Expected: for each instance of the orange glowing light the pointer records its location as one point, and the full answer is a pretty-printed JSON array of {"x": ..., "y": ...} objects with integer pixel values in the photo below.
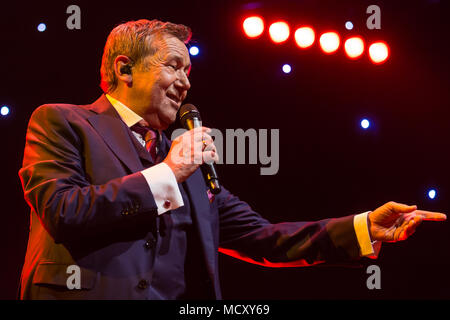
[
  {"x": 253, "y": 26},
  {"x": 279, "y": 31},
  {"x": 354, "y": 47},
  {"x": 304, "y": 37},
  {"x": 378, "y": 52},
  {"x": 329, "y": 42}
]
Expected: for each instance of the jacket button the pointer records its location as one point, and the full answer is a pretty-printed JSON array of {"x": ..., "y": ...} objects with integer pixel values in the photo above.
[
  {"x": 143, "y": 284},
  {"x": 150, "y": 244}
]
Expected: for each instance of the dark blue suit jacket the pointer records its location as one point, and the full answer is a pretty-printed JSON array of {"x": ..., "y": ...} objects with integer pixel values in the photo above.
[{"x": 91, "y": 207}]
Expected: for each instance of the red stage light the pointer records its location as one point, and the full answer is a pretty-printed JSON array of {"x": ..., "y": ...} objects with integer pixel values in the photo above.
[
  {"x": 378, "y": 52},
  {"x": 329, "y": 42},
  {"x": 304, "y": 37},
  {"x": 279, "y": 31},
  {"x": 253, "y": 26},
  {"x": 354, "y": 47}
]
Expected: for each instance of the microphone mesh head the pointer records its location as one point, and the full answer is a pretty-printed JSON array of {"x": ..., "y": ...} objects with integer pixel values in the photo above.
[{"x": 188, "y": 111}]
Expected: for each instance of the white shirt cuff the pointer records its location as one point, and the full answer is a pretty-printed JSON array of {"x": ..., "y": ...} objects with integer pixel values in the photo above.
[
  {"x": 164, "y": 187},
  {"x": 367, "y": 247}
]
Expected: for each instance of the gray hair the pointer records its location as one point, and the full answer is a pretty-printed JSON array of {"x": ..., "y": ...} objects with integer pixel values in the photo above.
[{"x": 130, "y": 39}]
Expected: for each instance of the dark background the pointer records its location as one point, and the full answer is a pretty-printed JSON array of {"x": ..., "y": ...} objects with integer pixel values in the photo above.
[{"x": 329, "y": 167}]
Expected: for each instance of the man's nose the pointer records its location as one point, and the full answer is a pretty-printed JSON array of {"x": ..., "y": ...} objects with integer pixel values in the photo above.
[{"x": 183, "y": 81}]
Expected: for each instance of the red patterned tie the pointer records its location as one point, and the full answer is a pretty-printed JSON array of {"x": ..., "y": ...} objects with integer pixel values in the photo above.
[{"x": 150, "y": 137}]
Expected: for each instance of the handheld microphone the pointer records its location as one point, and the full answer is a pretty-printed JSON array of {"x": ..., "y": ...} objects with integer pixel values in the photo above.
[{"x": 190, "y": 119}]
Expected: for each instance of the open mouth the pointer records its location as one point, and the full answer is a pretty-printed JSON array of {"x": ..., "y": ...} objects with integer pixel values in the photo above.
[{"x": 174, "y": 98}]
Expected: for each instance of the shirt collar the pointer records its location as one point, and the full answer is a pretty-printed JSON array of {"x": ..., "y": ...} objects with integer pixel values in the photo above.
[{"x": 128, "y": 116}]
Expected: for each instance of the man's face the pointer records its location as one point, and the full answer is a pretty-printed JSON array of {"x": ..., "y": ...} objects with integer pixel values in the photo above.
[{"x": 161, "y": 84}]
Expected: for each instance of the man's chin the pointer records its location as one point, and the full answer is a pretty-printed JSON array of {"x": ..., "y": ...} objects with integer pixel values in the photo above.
[{"x": 167, "y": 121}]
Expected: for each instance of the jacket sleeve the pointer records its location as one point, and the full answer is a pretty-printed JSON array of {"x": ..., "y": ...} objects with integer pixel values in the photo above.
[
  {"x": 245, "y": 235},
  {"x": 56, "y": 188}
]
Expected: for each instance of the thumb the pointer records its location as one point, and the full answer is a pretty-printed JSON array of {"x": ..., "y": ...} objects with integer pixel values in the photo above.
[{"x": 401, "y": 208}]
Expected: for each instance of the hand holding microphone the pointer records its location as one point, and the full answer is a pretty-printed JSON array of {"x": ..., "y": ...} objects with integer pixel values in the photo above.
[{"x": 192, "y": 149}]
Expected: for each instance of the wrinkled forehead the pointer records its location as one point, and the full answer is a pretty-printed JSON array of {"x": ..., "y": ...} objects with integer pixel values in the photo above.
[{"x": 168, "y": 46}]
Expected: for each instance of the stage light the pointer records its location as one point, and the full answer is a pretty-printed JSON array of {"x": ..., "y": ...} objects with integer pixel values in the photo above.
[
  {"x": 354, "y": 47},
  {"x": 329, "y": 42},
  {"x": 365, "y": 124},
  {"x": 378, "y": 52},
  {"x": 287, "y": 68},
  {"x": 432, "y": 194},
  {"x": 253, "y": 26},
  {"x": 4, "y": 111},
  {"x": 349, "y": 25},
  {"x": 41, "y": 27},
  {"x": 194, "y": 50},
  {"x": 279, "y": 31},
  {"x": 304, "y": 37}
]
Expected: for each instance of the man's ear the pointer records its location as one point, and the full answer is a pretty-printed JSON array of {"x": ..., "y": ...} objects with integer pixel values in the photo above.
[{"x": 123, "y": 68}]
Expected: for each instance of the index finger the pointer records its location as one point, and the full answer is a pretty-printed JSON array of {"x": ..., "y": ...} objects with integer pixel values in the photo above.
[
  {"x": 431, "y": 216},
  {"x": 202, "y": 129}
]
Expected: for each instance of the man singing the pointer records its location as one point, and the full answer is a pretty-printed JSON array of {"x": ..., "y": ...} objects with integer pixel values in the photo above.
[{"x": 111, "y": 195}]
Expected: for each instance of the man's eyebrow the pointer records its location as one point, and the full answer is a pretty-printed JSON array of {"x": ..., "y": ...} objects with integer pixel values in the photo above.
[
  {"x": 176, "y": 57},
  {"x": 179, "y": 58}
]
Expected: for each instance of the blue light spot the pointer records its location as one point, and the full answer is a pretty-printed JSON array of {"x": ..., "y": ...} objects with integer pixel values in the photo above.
[
  {"x": 194, "y": 51},
  {"x": 4, "y": 111},
  {"x": 41, "y": 27},
  {"x": 349, "y": 25},
  {"x": 287, "y": 68},
  {"x": 365, "y": 124},
  {"x": 432, "y": 194}
]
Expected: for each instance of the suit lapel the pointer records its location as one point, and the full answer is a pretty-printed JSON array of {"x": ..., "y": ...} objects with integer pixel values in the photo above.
[
  {"x": 115, "y": 133},
  {"x": 195, "y": 187},
  {"x": 144, "y": 155}
]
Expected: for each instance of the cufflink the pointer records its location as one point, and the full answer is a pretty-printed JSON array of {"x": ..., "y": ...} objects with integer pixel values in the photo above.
[{"x": 166, "y": 204}]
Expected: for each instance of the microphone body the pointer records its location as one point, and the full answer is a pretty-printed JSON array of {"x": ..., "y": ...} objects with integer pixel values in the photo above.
[{"x": 190, "y": 119}]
